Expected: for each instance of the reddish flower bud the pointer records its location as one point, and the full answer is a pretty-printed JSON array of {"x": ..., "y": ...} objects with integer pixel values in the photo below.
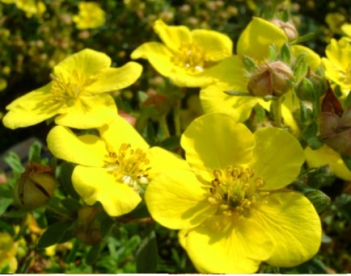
[
  {"x": 288, "y": 28},
  {"x": 271, "y": 79},
  {"x": 35, "y": 186}
]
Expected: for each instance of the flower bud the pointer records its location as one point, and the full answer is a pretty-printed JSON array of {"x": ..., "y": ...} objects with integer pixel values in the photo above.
[
  {"x": 336, "y": 131},
  {"x": 288, "y": 28},
  {"x": 87, "y": 227},
  {"x": 35, "y": 186},
  {"x": 272, "y": 79}
]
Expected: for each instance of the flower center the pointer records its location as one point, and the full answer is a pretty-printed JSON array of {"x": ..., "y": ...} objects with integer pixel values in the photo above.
[
  {"x": 190, "y": 57},
  {"x": 130, "y": 166},
  {"x": 236, "y": 190},
  {"x": 67, "y": 90}
]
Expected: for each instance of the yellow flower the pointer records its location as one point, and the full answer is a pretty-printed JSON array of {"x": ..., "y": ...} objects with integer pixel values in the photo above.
[
  {"x": 76, "y": 93},
  {"x": 346, "y": 28},
  {"x": 337, "y": 64},
  {"x": 335, "y": 21},
  {"x": 327, "y": 156},
  {"x": 90, "y": 16},
  {"x": 112, "y": 169},
  {"x": 30, "y": 7},
  {"x": 184, "y": 56},
  {"x": 231, "y": 205},
  {"x": 8, "y": 250},
  {"x": 230, "y": 74}
]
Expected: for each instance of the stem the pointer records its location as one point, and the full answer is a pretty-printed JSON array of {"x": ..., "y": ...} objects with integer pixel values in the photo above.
[
  {"x": 164, "y": 127},
  {"x": 277, "y": 112},
  {"x": 176, "y": 118}
]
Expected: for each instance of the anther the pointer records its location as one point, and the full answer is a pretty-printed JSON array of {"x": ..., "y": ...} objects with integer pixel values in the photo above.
[
  {"x": 263, "y": 194},
  {"x": 224, "y": 206},
  {"x": 212, "y": 200},
  {"x": 217, "y": 174}
]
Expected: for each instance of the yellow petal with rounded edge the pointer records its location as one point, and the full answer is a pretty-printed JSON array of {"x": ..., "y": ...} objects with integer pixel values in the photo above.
[
  {"x": 120, "y": 132},
  {"x": 162, "y": 160},
  {"x": 30, "y": 109},
  {"x": 176, "y": 199},
  {"x": 346, "y": 28},
  {"x": 312, "y": 58},
  {"x": 217, "y": 46},
  {"x": 89, "y": 150},
  {"x": 215, "y": 141},
  {"x": 278, "y": 157},
  {"x": 259, "y": 34},
  {"x": 228, "y": 245},
  {"x": 158, "y": 55},
  {"x": 89, "y": 112},
  {"x": 97, "y": 184},
  {"x": 112, "y": 79},
  {"x": 293, "y": 224},
  {"x": 87, "y": 62},
  {"x": 327, "y": 156},
  {"x": 172, "y": 36}
]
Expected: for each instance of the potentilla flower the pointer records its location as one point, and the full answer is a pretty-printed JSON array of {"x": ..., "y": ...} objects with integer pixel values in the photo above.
[
  {"x": 114, "y": 168},
  {"x": 30, "y": 7},
  {"x": 337, "y": 64},
  {"x": 76, "y": 93},
  {"x": 231, "y": 205},
  {"x": 184, "y": 56},
  {"x": 90, "y": 16},
  {"x": 230, "y": 74}
]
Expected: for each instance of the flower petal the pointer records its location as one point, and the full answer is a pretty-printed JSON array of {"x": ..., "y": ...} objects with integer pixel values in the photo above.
[
  {"x": 312, "y": 58},
  {"x": 172, "y": 36},
  {"x": 327, "y": 156},
  {"x": 91, "y": 111},
  {"x": 162, "y": 160},
  {"x": 215, "y": 141},
  {"x": 157, "y": 54},
  {"x": 120, "y": 132},
  {"x": 177, "y": 200},
  {"x": 87, "y": 62},
  {"x": 96, "y": 184},
  {"x": 278, "y": 157},
  {"x": 228, "y": 245},
  {"x": 293, "y": 224},
  {"x": 116, "y": 78},
  {"x": 30, "y": 109},
  {"x": 88, "y": 150},
  {"x": 259, "y": 34},
  {"x": 216, "y": 45}
]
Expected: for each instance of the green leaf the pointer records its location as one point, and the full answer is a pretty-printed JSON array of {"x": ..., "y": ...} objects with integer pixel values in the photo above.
[
  {"x": 302, "y": 38},
  {"x": 260, "y": 113},
  {"x": 35, "y": 152},
  {"x": 285, "y": 54},
  {"x": 71, "y": 204},
  {"x": 318, "y": 177},
  {"x": 237, "y": 93},
  {"x": 65, "y": 175},
  {"x": 93, "y": 254},
  {"x": 53, "y": 234},
  {"x": 146, "y": 260},
  {"x": 319, "y": 199},
  {"x": 347, "y": 161},
  {"x": 306, "y": 91},
  {"x": 300, "y": 68},
  {"x": 272, "y": 53},
  {"x": 249, "y": 64},
  {"x": 13, "y": 160},
  {"x": 6, "y": 191},
  {"x": 4, "y": 204}
]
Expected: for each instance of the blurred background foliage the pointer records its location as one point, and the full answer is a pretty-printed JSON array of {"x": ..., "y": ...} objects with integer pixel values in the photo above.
[{"x": 32, "y": 42}]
